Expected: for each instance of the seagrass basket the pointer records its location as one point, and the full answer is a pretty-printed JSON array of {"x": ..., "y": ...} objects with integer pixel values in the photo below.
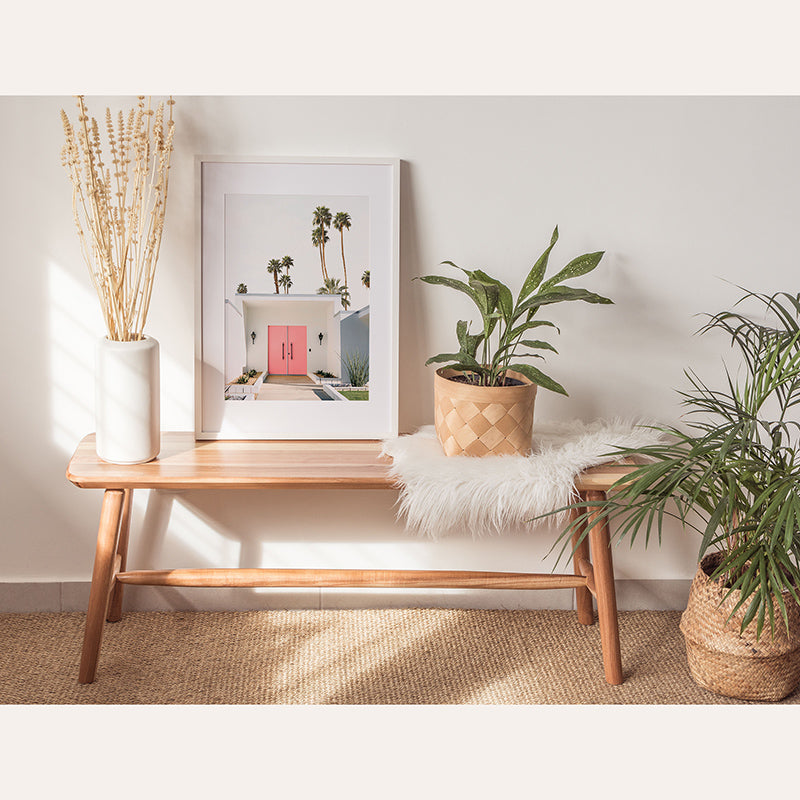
[
  {"x": 483, "y": 420},
  {"x": 734, "y": 665}
]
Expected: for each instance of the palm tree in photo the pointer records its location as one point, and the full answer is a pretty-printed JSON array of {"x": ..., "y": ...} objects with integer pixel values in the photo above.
[
  {"x": 286, "y": 282},
  {"x": 345, "y": 293},
  {"x": 321, "y": 220},
  {"x": 342, "y": 223},
  {"x": 334, "y": 286},
  {"x": 287, "y": 262},
  {"x": 365, "y": 278},
  {"x": 318, "y": 239},
  {"x": 330, "y": 286},
  {"x": 274, "y": 268}
]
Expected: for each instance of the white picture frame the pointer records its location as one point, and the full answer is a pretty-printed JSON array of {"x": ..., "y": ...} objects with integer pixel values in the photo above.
[{"x": 251, "y": 211}]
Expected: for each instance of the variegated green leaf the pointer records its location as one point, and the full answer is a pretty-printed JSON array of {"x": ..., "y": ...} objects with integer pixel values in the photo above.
[
  {"x": 577, "y": 267},
  {"x": 559, "y": 295},
  {"x": 538, "y": 270},
  {"x": 539, "y": 378}
]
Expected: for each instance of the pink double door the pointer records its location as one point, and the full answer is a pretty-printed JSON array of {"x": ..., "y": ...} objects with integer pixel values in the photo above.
[{"x": 287, "y": 350}]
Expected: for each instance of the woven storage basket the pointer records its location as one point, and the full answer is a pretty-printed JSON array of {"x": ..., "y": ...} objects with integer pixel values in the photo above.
[
  {"x": 725, "y": 662},
  {"x": 483, "y": 420}
]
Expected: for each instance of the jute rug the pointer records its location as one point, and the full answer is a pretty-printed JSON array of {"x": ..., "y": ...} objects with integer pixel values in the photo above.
[{"x": 406, "y": 656}]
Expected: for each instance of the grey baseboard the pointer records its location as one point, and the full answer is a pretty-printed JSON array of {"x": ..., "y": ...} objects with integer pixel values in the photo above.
[{"x": 26, "y": 598}]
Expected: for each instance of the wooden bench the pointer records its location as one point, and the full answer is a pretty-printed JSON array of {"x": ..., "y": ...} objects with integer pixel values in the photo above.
[{"x": 188, "y": 464}]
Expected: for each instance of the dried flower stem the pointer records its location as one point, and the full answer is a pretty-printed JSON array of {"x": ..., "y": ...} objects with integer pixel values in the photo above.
[{"x": 119, "y": 210}]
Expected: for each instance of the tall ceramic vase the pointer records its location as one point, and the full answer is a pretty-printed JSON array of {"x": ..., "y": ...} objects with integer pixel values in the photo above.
[{"x": 127, "y": 394}]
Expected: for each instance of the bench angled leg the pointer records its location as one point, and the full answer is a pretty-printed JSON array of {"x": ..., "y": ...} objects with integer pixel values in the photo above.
[
  {"x": 102, "y": 577},
  {"x": 606, "y": 596},
  {"x": 115, "y": 603},
  {"x": 583, "y": 597}
]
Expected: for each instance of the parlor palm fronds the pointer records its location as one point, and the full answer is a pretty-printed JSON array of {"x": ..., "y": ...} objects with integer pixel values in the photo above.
[{"x": 733, "y": 473}]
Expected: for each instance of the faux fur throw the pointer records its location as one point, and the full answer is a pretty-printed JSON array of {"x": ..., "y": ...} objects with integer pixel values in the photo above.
[{"x": 487, "y": 495}]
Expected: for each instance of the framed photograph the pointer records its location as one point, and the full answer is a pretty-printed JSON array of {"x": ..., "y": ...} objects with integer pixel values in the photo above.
[{"x": 297, "y": 302}]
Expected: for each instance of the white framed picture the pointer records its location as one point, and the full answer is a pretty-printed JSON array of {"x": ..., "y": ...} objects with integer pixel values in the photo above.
[{"x": 297, "y": 302}]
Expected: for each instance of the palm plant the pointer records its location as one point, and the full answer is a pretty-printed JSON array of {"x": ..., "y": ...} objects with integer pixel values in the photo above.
[
  {"x": 342, "y": 223},
  {"x": 287, "y": 262},
  {"x": 365, "y": 278},
  {"x": 286, "y": 282},
  {"x": 274, "y": 268},
  {"x": 737, "y": 466}
]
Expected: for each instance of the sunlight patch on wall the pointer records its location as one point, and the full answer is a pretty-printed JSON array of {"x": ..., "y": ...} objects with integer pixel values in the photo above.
[
  {"x": 74, "y": 325},
  {"x": 177, "y": 394},
  {"x": 341, "y": 555},
  {"x": 208, "y": 547}
]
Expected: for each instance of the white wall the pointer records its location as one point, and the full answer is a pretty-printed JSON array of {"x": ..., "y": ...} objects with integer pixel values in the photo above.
[{"x": 687, "y": 196}]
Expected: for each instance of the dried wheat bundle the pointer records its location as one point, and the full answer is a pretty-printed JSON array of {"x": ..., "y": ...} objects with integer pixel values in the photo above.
[{"x": 119, "y": 209}]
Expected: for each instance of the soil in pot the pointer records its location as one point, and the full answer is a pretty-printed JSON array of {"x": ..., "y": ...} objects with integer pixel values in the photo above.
[{"x": 471, "y": 380}]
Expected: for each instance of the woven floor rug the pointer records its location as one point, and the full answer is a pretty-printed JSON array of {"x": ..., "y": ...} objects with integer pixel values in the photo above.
[{"x": 396, "y": 656}]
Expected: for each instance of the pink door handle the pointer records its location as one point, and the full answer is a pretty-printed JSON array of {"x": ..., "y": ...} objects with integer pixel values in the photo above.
[
  {"x": 283, "y": 352},
  {"x": 291, "y": 351}
]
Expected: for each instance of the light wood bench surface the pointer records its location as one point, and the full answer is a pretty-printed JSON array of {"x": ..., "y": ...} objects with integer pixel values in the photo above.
[{"x": 185, "y": 463}]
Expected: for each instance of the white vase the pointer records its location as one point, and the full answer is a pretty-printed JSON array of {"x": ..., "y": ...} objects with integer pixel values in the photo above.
[{"x": 127, "y": 395}]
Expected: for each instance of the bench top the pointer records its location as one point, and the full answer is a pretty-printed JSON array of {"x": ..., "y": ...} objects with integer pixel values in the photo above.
[{"x": 185, "y": 463}]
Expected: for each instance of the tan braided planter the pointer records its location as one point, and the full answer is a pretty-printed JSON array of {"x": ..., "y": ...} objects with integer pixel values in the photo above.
[
  {"x": 483, "y": 420},
  {"x": 725, "y": 662}
]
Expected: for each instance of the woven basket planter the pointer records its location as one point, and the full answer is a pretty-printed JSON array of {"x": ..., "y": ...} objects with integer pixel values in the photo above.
[
  {"x": 725, "y": 662},
  {"x": 483, "y": 420}
]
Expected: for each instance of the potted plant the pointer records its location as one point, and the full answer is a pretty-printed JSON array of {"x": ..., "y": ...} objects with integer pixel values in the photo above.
[
  {"x": 733, "y": 474},
  {"x": 484, "y": 400},
  {"x": 119, "y": 201}
]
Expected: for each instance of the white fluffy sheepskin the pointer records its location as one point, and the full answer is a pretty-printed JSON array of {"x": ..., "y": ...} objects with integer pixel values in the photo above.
[{"x": 441, "y": 494}]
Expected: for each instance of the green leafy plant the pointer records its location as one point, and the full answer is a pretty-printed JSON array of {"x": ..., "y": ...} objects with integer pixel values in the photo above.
[
  {"x": 506, "y": 321},
  {"x": 324, "y": 373},
  {"x": 736, "y": 467},
  {"x": 365, "y": 278},
  {"x": 251, "y": 373},
  {"x": 242, "y": 379},
  {"x": 357, "y": 365},
  {"x": 241, "y": 288}
]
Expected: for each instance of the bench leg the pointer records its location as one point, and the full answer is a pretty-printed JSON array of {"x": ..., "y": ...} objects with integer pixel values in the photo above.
[
  {"x": 606, "y": 596},
  {"x": 102, "y": 577},
  {"x": 583, "y": 597},
  {"x": 115, "y": 604}
]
